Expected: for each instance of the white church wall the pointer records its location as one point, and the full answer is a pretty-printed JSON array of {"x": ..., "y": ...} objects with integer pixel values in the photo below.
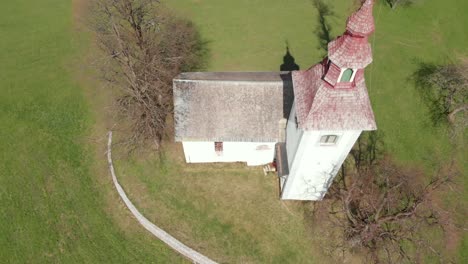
[
  {"x": 316, "y": 164},
  {"x": 254, "y": 153},
  {"x": 293, "y": 136}
]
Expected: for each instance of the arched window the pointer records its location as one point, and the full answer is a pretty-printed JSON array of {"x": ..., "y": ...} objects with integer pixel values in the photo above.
[{"x": 347, "y": 75}]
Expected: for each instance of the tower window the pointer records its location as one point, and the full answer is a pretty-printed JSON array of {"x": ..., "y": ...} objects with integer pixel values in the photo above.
[
  {"x": 346, "y": 75},
  {"x": 328, "y": 139},
  {"x": 218, "y": 148}
]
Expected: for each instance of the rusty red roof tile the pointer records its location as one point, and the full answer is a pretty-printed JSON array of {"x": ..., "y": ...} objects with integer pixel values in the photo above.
[
  {"x": 322, "y": 103},
  {"x": 350, "y": 52},
  {"x": 320, "y": 106},
  {"x": 361, "y": 22}
]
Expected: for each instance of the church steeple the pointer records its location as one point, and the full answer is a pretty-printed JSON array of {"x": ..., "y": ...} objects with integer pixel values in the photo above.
[
  {"x": 361, "y": 22},
  {"x": 350, "y": 53},
  {"x": 331, "y": 108}
]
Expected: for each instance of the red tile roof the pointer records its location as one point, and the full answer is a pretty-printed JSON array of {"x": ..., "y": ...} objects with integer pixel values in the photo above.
[
  {"x": 332, "y": 74},
  {"x": 352, "y": 49},
  {"x": 322, "y": 103},
  {"x": 350, "y": 52},
  {"x": 361, "y": 22},
  {"x": 320, "y": 106}
]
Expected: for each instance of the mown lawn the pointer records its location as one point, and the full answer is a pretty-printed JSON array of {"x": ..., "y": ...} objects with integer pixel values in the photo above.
[
  {"x": 221, "y": 210},
  {"x": 52, "y": 209},
  {"x": 248, "y": 35}
]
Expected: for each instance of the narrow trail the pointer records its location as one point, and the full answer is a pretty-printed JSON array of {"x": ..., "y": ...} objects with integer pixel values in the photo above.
[{"x": 172, "y": 242}]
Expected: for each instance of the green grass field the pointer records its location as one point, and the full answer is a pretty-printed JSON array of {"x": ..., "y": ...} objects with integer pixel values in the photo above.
[
  {"x": 228, "y": 212},
  {"x": 56, "y": 201},
  {"x": 52, "y": 209},
  {"x": 251, "y": 36}
]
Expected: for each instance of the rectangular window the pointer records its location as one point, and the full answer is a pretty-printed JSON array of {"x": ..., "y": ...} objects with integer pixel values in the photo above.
[
  {"x": 328, "y": 139},
  {"x": 218, "y": 147}
]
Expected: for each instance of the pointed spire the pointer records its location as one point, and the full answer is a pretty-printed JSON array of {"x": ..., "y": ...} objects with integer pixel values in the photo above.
[
  {"x": 361, "y": 22},
  {"x": 352, "y": 49}
]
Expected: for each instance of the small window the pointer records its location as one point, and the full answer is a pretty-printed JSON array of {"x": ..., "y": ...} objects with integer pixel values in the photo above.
[
  {"x": 328, "y": 139},
  {"x": 262, "y": 147},
  {"x": 219, "y": 148},
  {"x": 347, "y": 75}
]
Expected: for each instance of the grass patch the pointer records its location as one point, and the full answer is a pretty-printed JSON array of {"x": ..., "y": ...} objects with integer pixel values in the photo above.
[
  {"x": 229, "y": 212},
  {"x": 246, "y": 36},
  {"x": 52, "y": 208},
  {"x": 251, "y": 36}
]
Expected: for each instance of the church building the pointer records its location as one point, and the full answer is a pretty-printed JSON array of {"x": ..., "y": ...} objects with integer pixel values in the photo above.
[{"x": 307, "y": 121}]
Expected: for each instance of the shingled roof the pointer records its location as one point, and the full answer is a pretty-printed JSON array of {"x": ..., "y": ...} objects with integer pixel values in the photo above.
[
  {"x": 361, "y": 22},
  {"x": 231, "y": 106},
  {"x": 352, "y": 50},
  {"x": 325, "y": 105},
  {"x": 319, "y": 106}
]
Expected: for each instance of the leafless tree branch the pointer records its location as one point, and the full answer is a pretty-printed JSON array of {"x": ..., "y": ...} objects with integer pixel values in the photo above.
[
  {"x": 382, "y": 207},
  {"x": 144, "y": 48}
]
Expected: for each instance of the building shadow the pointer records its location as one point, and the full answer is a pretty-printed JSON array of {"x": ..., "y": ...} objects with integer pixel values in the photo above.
[
  {"x": 289, "y": 63},
  {"x": 288, "y": 93}
]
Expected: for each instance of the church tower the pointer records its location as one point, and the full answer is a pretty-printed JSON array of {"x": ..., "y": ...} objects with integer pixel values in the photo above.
[{"x": 331, "y": 108}]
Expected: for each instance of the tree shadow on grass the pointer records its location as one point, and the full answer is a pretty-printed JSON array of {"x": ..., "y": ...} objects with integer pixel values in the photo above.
[
  {"x": 444, "y": 90},
  {"x": 403, "y": 3},
  {"x": 368, "y": 149},
  {"x": 323, "y": 30},
  {"x": 201, "y": 54},
  {"x": 433, "y": 99}
]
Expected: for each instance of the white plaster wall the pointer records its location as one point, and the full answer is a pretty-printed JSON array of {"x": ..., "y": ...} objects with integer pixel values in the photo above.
[
  {"x": 315, "y": 165},
  {"x": 293, "y": 136},
  {"x": 254, "y": 153}
]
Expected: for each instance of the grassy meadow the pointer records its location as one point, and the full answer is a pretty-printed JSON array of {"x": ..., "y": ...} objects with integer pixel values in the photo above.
[
  {"x": 228, "y": 212},
  {"x": 231, "y": 212},
  {"x": 53, "y": 208},
  {"x": 57, "y": 204}
]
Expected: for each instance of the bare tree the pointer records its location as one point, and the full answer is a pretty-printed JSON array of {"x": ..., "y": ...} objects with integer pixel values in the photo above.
[
  {"x": 446, "y": 89},
  {"x": 145, "y": 47},
  {"x": 383, "y": 209}
]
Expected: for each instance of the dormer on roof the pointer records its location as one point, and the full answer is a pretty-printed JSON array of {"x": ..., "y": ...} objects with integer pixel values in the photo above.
[
  {"x": 331, "y": 108},
  {"x": 351, "y": 52},
  {"x": 333, "y": 95}
]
